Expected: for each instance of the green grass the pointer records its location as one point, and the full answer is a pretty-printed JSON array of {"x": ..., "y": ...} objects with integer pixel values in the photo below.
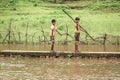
[{"x": 95, "y": 17}]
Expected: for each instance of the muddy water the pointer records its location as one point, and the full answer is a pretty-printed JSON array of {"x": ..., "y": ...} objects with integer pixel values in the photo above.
[
  {"x": 60, "y": 47},
  {"x": 58, "y": 69},
  {"x": 18, "y": 68}
]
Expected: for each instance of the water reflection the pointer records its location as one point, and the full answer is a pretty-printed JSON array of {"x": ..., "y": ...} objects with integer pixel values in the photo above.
[{"x": 58, "y": 69}]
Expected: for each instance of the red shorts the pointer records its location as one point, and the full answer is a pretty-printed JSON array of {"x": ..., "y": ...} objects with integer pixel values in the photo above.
[{"x": 77, "y": 36}]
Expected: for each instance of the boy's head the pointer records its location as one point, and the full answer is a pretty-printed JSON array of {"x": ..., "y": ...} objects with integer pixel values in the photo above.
[
  {"x": 77, "y": 19},
  {"x": 53, "y": 21}
]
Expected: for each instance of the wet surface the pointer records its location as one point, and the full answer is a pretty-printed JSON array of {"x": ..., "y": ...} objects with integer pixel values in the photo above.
[
  {"x": 18, "y": 68},
  {"x": 60, "y": 47}
]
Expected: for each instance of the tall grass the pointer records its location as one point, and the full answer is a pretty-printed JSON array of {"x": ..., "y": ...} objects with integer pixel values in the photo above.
[{"x": 94, "y": 21}]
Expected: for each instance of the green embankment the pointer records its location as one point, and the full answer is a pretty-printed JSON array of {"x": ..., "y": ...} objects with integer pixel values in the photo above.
[{"x": 96, "y": 17}]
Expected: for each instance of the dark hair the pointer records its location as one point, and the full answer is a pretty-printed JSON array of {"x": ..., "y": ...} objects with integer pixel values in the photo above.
[
  {"x": 77, "y": 18},
  {"x": 53, "y": 20}
]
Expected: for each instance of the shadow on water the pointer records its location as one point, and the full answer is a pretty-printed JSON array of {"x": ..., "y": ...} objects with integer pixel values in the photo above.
[{"x": 61, "y": 47}]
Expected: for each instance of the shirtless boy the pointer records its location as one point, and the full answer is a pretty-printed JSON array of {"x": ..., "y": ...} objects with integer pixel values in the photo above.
[
  {"x": 77, "y": 33},
  {"x": 53, "y": 31}
]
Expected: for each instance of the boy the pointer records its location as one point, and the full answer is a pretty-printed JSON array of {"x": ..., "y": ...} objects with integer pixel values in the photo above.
[
  {"x": 77, "y": 33},
  {"x": 52, "y": 33}
]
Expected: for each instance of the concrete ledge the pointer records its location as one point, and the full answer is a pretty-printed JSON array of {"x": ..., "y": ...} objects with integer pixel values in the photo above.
[{"x": 60, "y": 54}]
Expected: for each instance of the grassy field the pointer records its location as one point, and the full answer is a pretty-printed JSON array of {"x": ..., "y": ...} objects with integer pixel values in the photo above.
[{"x": 96, "y": 17}]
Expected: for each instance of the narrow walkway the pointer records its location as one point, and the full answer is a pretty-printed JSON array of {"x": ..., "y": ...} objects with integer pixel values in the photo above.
[{"x": 57, "y": 54}]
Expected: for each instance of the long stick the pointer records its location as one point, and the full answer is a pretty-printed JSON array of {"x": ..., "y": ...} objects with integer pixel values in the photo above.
[{"x": 79, "y": 26}]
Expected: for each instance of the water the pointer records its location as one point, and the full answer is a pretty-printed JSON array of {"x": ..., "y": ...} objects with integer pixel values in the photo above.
[
  {"x": 18, "y": 68},
  {"x": 60, "y": 47}
]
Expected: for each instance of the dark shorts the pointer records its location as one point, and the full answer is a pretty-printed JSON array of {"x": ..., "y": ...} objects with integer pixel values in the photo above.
[
  {"x": 52, "y": 38},
  {"x": 77, "y": 36}
]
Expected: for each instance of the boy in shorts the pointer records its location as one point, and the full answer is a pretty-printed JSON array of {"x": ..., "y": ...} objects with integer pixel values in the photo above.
[
  {"x": 53, "y": 31},
  {"x": 77, "y": 33}
]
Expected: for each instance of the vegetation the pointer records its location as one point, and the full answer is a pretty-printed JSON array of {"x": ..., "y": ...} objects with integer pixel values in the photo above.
[{"x": 97, "y": 16}]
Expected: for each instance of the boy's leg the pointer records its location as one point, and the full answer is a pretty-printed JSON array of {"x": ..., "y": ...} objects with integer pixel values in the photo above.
[
  {"x": 52, "y": 43},
  {"x": 76, "y": 41},
  {"x": 52, "y": 46},
  {"x": 76, "y": 45}
]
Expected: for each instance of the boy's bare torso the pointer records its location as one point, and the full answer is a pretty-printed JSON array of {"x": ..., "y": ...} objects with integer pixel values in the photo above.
[{"x": 53, "y": 30}]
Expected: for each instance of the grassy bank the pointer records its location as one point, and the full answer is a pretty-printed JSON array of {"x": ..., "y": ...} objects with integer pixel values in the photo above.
[{"x": 96, "y": 17}]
